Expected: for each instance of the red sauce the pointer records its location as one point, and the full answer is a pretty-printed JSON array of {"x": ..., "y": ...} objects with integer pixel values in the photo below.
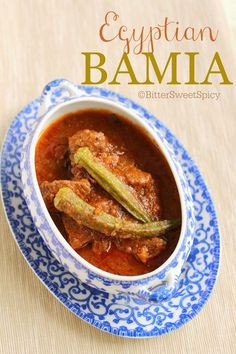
[{"x": 147, "y": 157}]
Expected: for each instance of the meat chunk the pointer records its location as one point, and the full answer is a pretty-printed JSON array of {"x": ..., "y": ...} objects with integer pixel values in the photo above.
[
  {"x": 136, "y": 177},
  {"x": 142, "y": 249},
  {"x": 98, "y": 144},
  {"x": 103, "y": 202},
  {"x": 49, "y": 189},
  {"x": 78, "y": 235},
  {"x": 101, "y": 245}
]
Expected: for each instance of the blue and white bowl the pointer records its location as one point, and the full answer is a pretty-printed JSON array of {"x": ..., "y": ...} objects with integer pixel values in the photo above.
[{"x": 60, "y": 97}]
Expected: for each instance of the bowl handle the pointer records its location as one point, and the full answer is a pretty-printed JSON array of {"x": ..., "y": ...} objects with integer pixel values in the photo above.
[
  {"x": 162, "y": 290},
  {"x": 57, "y": 91}
]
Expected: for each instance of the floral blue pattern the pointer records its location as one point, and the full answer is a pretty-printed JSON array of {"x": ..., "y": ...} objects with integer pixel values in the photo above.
[{"x": 120, "y": 314}]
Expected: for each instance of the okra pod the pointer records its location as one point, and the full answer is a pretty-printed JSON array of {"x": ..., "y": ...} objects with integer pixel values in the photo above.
[{"x": 83, "y": 213}]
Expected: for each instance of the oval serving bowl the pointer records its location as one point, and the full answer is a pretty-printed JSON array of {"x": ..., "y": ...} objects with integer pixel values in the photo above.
[{"x": 61, "y": 97}]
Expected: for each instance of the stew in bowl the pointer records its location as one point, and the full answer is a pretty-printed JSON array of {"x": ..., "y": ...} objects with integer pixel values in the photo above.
[
  {"x": 107, "y": 193},
  {"x": 93, "y": 156}
]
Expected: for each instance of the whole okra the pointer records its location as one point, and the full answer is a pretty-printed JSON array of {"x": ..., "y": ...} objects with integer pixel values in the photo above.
[
  {"x": 83, "y": 213},
  {"x": 111, "y": 183}
]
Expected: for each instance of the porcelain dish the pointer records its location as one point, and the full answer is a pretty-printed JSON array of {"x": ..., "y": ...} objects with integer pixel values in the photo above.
[
  {"x": 60, "y": 97},
  {"x": 122, "y": 315}
]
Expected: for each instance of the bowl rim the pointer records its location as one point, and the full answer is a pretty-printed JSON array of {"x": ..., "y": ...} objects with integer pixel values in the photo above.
[{"x": 38, "y": 130}]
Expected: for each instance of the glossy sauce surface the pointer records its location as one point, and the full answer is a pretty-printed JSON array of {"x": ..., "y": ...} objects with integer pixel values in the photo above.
[{"x": 49, "y": 167}]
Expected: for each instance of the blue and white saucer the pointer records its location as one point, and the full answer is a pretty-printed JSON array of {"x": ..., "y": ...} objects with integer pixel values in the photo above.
[{"x": 117, "y": 314}]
